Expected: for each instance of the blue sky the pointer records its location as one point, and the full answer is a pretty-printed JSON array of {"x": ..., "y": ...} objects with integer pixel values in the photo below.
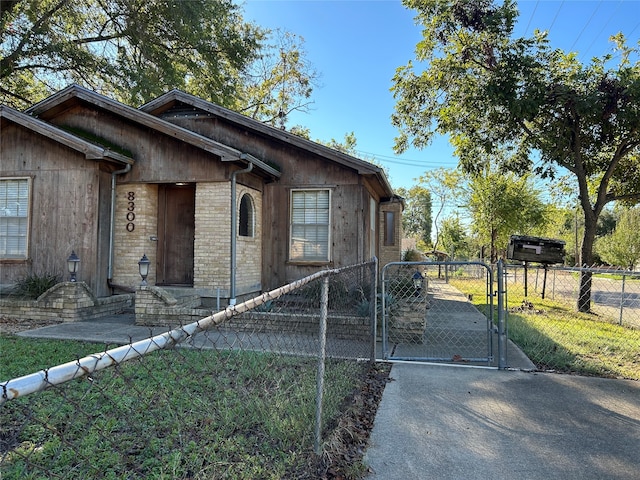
[{"x": 357, "y": 45}]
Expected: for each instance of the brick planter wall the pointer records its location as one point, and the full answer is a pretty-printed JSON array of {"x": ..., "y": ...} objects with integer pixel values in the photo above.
[
  {"x": 68, "y": 302},
  {"x": 157, "y": 306}
]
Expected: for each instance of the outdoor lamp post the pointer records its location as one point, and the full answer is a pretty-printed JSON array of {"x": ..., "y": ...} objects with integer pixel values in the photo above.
[
  {"x": 143, "y": 268},
  {"x": 418, "y": 280},
  {"x": 73, "y": 263}
]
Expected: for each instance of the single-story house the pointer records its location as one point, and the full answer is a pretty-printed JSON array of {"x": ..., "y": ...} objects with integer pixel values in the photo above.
[{"x": 217, "y": 201}]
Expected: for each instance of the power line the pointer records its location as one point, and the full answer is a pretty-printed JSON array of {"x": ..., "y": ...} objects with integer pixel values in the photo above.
[
  {"x": 526, "y": 30},
  {"x": 585, "y": 25}
]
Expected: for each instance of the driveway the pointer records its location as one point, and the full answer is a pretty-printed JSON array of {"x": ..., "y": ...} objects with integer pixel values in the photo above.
[{"x": 448, "y": 422}]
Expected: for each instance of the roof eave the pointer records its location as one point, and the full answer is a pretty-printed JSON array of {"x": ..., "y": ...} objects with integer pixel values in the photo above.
[{"x": 91, "y": 151}]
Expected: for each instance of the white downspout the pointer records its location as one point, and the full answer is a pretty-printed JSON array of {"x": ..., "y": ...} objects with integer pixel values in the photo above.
[
  {"x": 112, "y": 220},
  {"x": 234, "y": 227}
]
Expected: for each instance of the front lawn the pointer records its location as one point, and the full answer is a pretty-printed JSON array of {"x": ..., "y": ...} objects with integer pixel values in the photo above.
[
  {"x": 180, "y": 413},
  {"x": 556, "y": 337}
]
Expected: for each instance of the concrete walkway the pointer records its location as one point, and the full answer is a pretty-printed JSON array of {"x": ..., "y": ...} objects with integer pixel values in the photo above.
[{"x": 448, "y": 422}]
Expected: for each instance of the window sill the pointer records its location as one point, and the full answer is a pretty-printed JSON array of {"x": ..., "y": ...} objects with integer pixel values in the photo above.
[{"x": 310, "y": 263}]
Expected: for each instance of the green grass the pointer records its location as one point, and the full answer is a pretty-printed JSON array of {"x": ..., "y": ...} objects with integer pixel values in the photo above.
[
  {"x": 180, "y": 413},
  {"x": 556, "y": 337}
]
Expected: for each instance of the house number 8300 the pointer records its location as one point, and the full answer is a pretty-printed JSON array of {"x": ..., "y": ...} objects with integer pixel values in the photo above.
[{"x": 131, "y": 216}]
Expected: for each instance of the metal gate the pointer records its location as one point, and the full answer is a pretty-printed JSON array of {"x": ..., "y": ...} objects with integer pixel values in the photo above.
[{"x": 426, "y": 318}]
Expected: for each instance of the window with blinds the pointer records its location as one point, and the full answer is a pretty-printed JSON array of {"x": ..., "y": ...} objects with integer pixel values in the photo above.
[
  {"x": 310, "y": 214},
  {"x": 14, "y": 221}
]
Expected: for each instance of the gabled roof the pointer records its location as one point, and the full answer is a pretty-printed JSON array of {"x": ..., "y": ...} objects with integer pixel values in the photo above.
[
  {"x": 73, "y": 94},
  {"x": 90, "y": 150},
  {"x": 166, "y": 101}
]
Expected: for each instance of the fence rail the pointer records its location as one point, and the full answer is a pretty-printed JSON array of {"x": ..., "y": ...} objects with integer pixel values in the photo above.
[{"x": 249, "y": 392}]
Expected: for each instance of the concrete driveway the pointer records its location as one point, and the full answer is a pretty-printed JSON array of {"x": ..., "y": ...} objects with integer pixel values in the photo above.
[{"x": 448, "y": 422}]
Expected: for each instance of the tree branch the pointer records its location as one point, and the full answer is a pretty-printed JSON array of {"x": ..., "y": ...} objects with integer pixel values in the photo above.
[{"x": 7, "y": 62}]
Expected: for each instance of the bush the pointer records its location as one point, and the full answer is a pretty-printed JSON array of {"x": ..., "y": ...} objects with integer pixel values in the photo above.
[
  {"x": 412, "y": 255},
  {"x": 34, "y": 285}
]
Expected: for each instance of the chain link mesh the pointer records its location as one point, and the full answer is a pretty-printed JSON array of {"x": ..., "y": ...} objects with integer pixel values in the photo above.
[
  {"x": 426, "y": 318},
  {"x": 238, "y": 399},
  {"x": 561, "y": 326}
]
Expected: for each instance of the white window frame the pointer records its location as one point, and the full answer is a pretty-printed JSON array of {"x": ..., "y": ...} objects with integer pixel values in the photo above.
[
  {"x": 296, "y": 243},
  {"x": 24, "y": 212}
]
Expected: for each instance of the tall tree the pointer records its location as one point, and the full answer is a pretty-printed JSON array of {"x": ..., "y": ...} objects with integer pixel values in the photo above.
[
  {"x": 135, "y": 50},
  {"x": 489, "y": 91},
  {"x": 454, "y": 237},
  {"x": 416, "y": 217},
  {"x": 502, "y": 205},
  {"x": 131, "y": 49},
  {"x": 279, "y": 82},
  {"x": 445, "y": 185}
]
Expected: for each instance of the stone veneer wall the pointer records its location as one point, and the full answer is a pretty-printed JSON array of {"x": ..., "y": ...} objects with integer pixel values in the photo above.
[{"x": 68, "y": 302}]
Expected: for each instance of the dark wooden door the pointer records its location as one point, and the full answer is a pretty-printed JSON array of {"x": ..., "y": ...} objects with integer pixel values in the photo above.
[{"x": 176, "y": 232}]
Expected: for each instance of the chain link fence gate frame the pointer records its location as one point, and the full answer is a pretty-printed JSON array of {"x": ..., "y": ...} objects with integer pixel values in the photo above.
[{"x": 426, "y": 319}]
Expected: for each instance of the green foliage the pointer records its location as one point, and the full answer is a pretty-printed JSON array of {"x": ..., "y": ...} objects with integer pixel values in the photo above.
[
  {"x": 416, "y": 217},
  {"x": 622, "y": 246},
  {"x": 133, "y": 50},
  {"x": 412, "y": 255},
  {"x": 278, "y": 82},
  {"x": 136, "y": 50},
  {"x": 34, "y": 285},
  {"x": 501, "y": 205},
  {"x": 443, "y": 187},
  {"x": 523, "y": 104},
  {"x": 455, "y": 239}
]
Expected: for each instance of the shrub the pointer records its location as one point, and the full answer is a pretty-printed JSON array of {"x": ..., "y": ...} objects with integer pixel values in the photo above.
[
  {"x": 34, "y": 285},
  {"x": 412, "y": 255}
]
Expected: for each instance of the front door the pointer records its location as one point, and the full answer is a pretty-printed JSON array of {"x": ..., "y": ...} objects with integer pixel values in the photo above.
[{"x": 176, "y": 232}]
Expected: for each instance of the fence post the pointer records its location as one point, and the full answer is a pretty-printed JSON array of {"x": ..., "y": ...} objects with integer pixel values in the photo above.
[
  {"x": 385, "y": 315},
  {"x": 373, "y": 302},
  {"x": 502, "y": 335},
  {"x": 622, "y": 299},
  {"x": 324, "y": 301}
]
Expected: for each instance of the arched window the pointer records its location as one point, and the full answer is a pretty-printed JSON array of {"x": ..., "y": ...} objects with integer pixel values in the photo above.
[{"x": 247, "y": 216}]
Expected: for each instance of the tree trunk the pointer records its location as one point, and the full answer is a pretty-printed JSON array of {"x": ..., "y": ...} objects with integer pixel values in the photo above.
[
  {"x": 584, "y": 296},
  {"x": 494, "y": 238}
]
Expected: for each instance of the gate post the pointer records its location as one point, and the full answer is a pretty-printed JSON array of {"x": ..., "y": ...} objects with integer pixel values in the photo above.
[{"x": 502, "y": 331}]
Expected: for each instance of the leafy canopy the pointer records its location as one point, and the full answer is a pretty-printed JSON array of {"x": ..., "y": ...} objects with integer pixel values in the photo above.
[
  {"x": 622, "y": 246},
  {"x": 521, "y": 102},
  {"x": 131, "y": 49},
  {"x": 135, "y": 50}
]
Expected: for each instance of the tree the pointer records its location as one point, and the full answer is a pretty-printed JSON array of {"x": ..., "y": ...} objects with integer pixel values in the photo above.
[
  {"x": 622, "y": 246},
  {"x": 135, "y": 50},
  {"x": 416, "y": 217},
  {"x": 444, "y": 184},
  {"x": 279, "y": 82},
  {"x": 550, "y": 113},
  {"x": 131, "y": 49},
  {"x": 502, "y": 205},
  {"x": 454, "y": 238}
]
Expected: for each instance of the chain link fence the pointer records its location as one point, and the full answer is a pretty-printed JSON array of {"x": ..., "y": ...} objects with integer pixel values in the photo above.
[
  {"x": 255, "y": 391},
  {"x": 547, "y": 318}
]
